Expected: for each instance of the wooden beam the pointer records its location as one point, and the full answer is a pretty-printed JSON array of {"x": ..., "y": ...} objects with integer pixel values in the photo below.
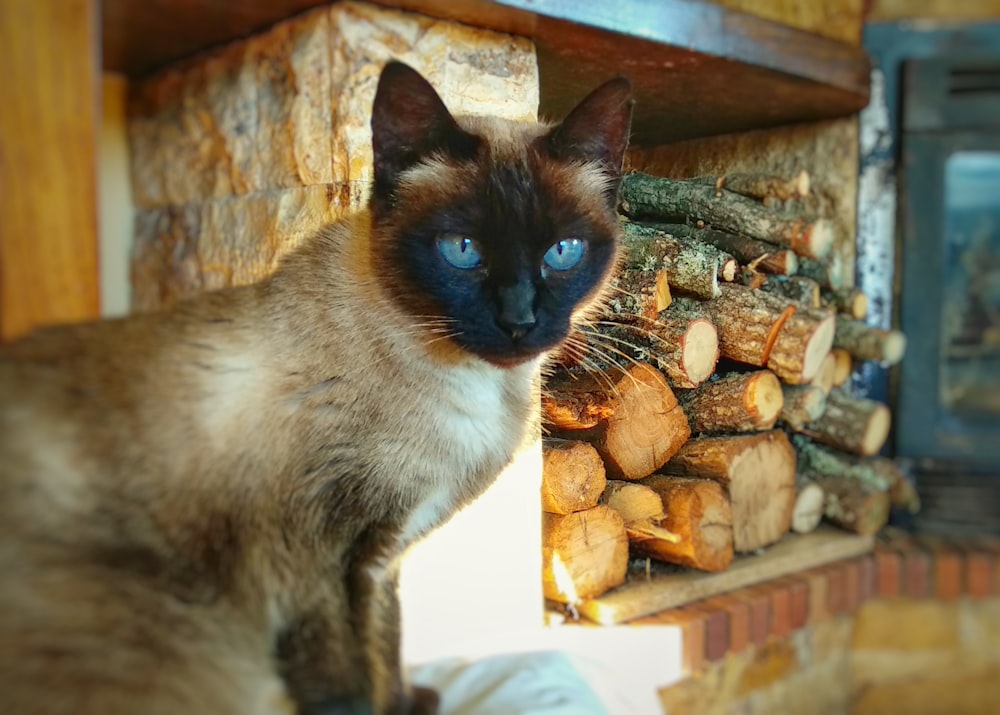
[
  {"x": 709, "y": 69},
  {"x": 48, "y": 207}
]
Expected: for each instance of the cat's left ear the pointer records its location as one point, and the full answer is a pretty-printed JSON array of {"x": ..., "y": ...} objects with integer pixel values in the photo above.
[
  {"x": 409, "y": 123},
  {"x": 597, "y": 129}
]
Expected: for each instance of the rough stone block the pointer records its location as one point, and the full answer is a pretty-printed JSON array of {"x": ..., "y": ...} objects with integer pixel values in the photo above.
[
  {"x": 773, "y": 662},
  {"x": 291, "y": 106},
  {"x": 243, "y": 238},
  {"x": 294, "y": 130},
  {"x": 968, "y": 694},
  {"x": 165, "y": 263},
  {"x": 192, "y": 130},
  {"x": 906, "y": 625},
  {"x": 475, "y": 71}
]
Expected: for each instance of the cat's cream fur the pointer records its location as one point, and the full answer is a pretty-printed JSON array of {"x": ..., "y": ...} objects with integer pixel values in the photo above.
[{"x": 201, "y": 510}]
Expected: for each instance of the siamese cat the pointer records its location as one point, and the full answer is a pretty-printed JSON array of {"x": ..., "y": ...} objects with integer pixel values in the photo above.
[{"x": 203, "y": 510}]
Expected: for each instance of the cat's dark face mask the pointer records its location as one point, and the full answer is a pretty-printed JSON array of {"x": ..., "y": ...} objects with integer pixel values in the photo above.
[{"x": 495, "y": 237}]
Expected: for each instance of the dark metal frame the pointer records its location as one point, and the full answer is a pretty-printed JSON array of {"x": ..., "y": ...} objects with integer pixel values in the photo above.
[
  {"x": 925, "y": 429},
  {"x": 890, "y": 45}
]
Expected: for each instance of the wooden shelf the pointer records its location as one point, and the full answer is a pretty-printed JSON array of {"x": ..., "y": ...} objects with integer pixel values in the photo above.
[
  {"x": 698, "y": 69},
  {"x": 794, "y": 553}
]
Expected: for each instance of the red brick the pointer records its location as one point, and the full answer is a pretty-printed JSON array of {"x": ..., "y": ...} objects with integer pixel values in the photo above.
[
  {"x": 691, "y": 621},
  {"x": 979, "y": 567},
  {"x": 716, "y": 634},
  {"x": 737, "y": 619},
  {"x": 888, "y": 568},
  {"x": 916, "y": 573},
  {"x": 991, "y": 544},
  {"x": 759, "y": 601},
  {"x": 867, "y": 573},
  {"x": 836, "y": 598},
  {"x": 852, "y": 585},
  {"x": 819, "y": 588},
  {"x": 781, "y": 609},
  {"x": 798, "y": 591},
  {"x": 948, "y": 584}
]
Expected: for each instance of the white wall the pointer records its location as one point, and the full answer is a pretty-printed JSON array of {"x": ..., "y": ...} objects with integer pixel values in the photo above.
[{"x": 115, "y": 210}]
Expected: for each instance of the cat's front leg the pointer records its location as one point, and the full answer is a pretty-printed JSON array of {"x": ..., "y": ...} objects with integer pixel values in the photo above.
[{"x": 375, "y": 607}]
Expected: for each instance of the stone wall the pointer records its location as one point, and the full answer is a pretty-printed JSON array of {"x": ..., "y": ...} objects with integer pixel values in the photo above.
[{"x": 239, "y": 154}]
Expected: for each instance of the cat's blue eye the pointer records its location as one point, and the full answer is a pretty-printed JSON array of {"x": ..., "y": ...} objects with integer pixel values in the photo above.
[
  {"x": 460, "y": 251},
  {"x": 564, "y": 255}
]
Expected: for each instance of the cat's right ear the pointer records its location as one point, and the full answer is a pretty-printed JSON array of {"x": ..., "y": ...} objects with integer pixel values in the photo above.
[
  {"x": 597, "y": 129},
  {"x": 409, "y": 123}
]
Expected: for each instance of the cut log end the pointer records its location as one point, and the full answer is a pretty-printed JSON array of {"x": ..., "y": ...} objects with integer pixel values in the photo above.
[
  {"x": 572, "y": 476},
  {"x": 765, "y": 397},
  {"x": 815, "y": 240},
  {"x": 845, "y": 365},
  {"x": 759, "y": 472},
  {"x": 648, "y": 426},
  {"x": 825, "y": 376},
  {"x": 729, "y": 269},
  {"x": 817, "y": 348},
  {"x": 808, "y": 510},
  {"x": 877, "y": 431},
  {"x": 802, "y": 183},
  {"x": 699, "y": 513},
  {"x": 635, "y": 502},
  {"x": 701, "y": 351},
  {"x": 583, "y": 554},
  {"x": 894, "y": 347}
]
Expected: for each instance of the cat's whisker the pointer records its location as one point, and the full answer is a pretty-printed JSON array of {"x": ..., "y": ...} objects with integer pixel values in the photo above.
[{"x": 607, "y": 352}]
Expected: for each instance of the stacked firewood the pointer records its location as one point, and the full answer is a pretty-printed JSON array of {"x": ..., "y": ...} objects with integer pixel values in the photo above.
[{"x": 709, "y": 414}]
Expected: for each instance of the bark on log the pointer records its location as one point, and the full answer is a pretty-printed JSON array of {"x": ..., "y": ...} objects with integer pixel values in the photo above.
[
  {"x": 738, "y": 402},
  {"x": 684, "y": 347},
  {"x": 802, "y": 404},
  {"x": 638, "y": 424},
  {"x": 831, "y": 272},
  {"x": 800, "y": 289},
  {"x": 638, "y": 292},
  {"x": 689, "y": 267},
  {"x": 766, "y": 330},
  {"x": 759, "y": 186},
  {"x": 644, "y": 196},
  {"x": 584, "y": 554},
  {"x": 867, "y": 343},
  {"x": 852, "y": 505},
  {"x": 852, "y": 302},
  {"x": 759, "y": 472},
  {"x": 573, "y": 477},
  {"x": 877, "y": 473},
  {"x": 699, "y": 512},
  {"x": 851, "y": 424},
  {"x": 808, "y": 510},
  {"x": 761, "y": 255},
  {"x": 845, "y": 365}
]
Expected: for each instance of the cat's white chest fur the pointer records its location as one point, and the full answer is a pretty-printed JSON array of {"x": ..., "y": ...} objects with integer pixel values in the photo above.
[{"x": 474, "y": 424}]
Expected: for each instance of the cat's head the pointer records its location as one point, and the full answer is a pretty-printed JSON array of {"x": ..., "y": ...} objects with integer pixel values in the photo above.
[{"x": 499, "y": 233}]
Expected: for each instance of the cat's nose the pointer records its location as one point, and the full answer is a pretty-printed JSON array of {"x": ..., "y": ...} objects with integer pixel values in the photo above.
[{"x": 517, "y": 312}]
